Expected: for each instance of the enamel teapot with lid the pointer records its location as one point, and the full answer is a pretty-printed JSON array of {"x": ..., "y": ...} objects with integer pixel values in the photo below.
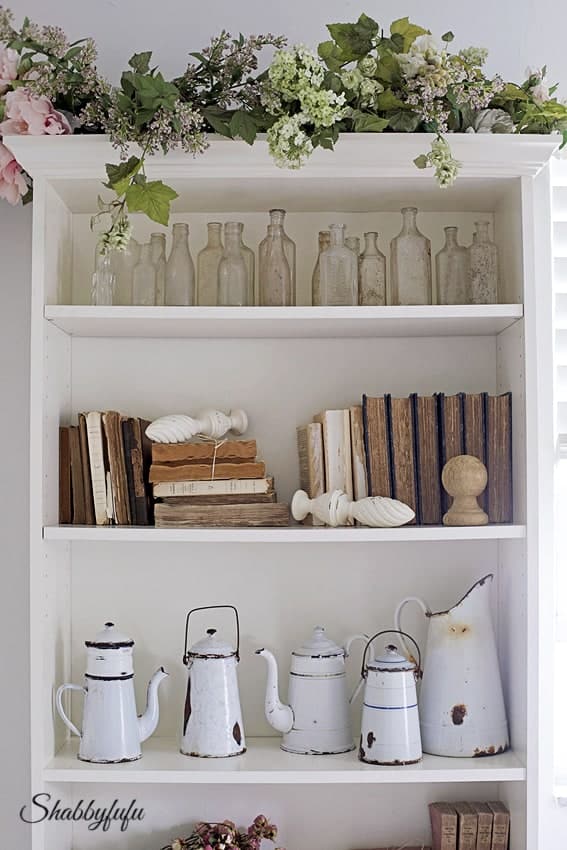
[
  {"x": 112, "y": 731},
  {"x": 317, "y": 719},
  {"x": 212, "y": 724}
]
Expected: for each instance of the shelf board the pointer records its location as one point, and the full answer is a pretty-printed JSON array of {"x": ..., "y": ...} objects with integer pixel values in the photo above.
[
  {"x": 293, "y": 534},
  {"x": 284, "y": 322},
  {"x": 265, "y": 763}
]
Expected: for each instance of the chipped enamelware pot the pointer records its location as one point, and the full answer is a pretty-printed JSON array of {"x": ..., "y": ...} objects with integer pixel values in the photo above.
[
  {"x": 389, "y": 732},
  {"x": 212, "y": 726},
  {"x": 461, "y": 702}
]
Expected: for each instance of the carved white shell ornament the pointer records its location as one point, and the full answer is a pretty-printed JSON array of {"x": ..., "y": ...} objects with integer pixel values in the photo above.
[
  {"x": 179, "y": 428},
  {"x": 335, "y": 508}
]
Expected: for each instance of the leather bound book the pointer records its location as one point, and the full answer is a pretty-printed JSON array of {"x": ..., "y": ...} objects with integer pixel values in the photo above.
[
  {"x": 451, "y": 434},
  {"x": 65, "y": 495},
  {"x": 311, "y": 463},
  {"x": 77, "y": 486},
  {"x": 467, "y": 826},
  {"x": 443, "y": 826},
  {"x": 113, "y": 431},
  {"x": 213, "y": 488},
  {"x": 160, "y": 472},
  {"x": 377, "y": 445},
  {"x": 231, "y": 450},
  {"x": 499, "y": 457},
  {"x": 194, "y": 516},
  {"x": 474, "y": 406},
  {"x": 500, "y": 826},
  {"x": 427, "y": 459},
  {"x": 228, "y": 499},
  {"x": 359, "y": 478},
  {"x": 403, "y": 454},
  {"x": 146, "y": 464},
  {"x": 87, "y": 483},
  {"x": 484, "y": 831},
  {"x": 127, "y": 425}
]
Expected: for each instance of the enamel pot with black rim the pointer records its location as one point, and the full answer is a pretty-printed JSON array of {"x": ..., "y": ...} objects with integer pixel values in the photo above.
[{"x": 212, "y": 725}]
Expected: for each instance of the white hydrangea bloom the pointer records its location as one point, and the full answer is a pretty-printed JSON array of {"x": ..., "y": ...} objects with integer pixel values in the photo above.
[{"x": 288, "y": 143}]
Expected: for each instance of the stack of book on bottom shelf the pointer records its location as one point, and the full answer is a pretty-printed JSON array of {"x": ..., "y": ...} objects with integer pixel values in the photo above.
[
  {"x": 470, "y": 826},
  {"x": 218, "y": 484}
]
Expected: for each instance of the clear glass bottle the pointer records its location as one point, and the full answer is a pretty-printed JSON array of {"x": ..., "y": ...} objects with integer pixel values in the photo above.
[
  {"x": 339, "y": 271},
  {"x": 452, "y": 268},
  {"x": 157, "y": 242},
  {"x": 410, "y": 255},
  {"x": 274, "y": 273},
  {"x": 250, "y": 262},
  {"x": 277, "y": 218},
  {"x": 233, "y": 274},
  {"x": 179, "y": 270},
  {"x": 144, "y": 279},
  {"x": 483, "y": 258},
  {"x": 324, "y": 242},
  {"x": 123, "y": 263},
  {"x": 208, "y": 266},
  {"x": 372, "y": 273},
  {"x": 103, "y": 281}
]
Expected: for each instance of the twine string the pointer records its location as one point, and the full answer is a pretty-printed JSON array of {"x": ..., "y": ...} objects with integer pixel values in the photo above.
[{"x": 216, "y": 447}]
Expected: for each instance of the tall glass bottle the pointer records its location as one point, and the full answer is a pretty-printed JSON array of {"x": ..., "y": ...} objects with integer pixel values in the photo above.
[
  {"x": 483, "y": 257},
  {"x": 103, "y": 281},
  {"x": 277, "y": 217},
  {"x": 123, "y": 263},
  {"x": 274, "y": 273},
  {"x": 233, "y": 275},
  {"x": 339, "y": 271},
  {"x": 208, "y": 266},
  {"x": 157, "y": 242},
  {"x": 410, "y": 255},
  {"x": 144, "y": 279},
  {"x": 250, "y": 262},
  {"x": 452, "y": 268},
  {"x": 372, "y": 273},
  {"x": 324, "y": 242},
  {"x": 179, "y": 270}
]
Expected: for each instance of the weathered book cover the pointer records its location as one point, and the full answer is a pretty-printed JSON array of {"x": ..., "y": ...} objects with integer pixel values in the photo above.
[
  {"x": 191, "y": 516},
  {"x": 451, "y": 435},
  {"x": 443, "y": 826},
  {"x": 231, "y": 450},
  {"x": 213, "y": 488},
  {"x": 87, "y": 483},
  {"x": 98, "y": 461},
  {"x": 484, "y": 832},
  {"x": 77, "y": 486},
  {"x": 500, "y": 825},
  {"x": 427, "y": 459},
  {"x": 403, "y": 453},
  {"x": 65, "y": 495},
  {"x": 113, "y": 432},
  {"x": 359, "y": 477},
  {"x": 467, "y": 826},
  {"x": 499, "y": 457},
  {"x": 146, "y": 464},
  {"x": 311, "y": 463},
  {"x": 227, "y": 499},
  {"x": 127, "y": 425},
  {"x": 337, "y": 451},
  {"x": 160, "y": 472},
  {"x": 474, "y": 406},
  {"x": 377, "y": 445}
]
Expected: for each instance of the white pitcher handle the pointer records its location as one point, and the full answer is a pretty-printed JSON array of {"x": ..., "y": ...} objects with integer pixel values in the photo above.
[
  {"x": 350, "y": 640},
  {"x": 59, "y": 704},
  {"x": 398, "y": 616}
]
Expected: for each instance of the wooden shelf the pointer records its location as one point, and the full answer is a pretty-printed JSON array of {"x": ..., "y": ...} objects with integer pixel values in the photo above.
[
  {"x": 265, "y": 763},
  {"x": 284, "y": 322},
  {"x": 294, "y": 534}
]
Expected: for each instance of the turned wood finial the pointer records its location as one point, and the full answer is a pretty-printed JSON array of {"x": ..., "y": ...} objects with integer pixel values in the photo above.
[{"x": 464, "y": 478}]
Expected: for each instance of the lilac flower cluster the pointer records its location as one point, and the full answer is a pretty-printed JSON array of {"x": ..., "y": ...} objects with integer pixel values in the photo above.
[{"x": 226, "y": 836}]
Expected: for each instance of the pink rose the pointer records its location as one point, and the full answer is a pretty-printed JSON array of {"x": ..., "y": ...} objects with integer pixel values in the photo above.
[
  {"x": 12, "y": 181},
  {"x": 28, "y": 114},
  {"x": 8, "y": 67}
]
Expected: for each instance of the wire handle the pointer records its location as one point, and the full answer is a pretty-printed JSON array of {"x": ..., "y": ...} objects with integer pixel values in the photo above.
[
  {"x": 418, "y": 672},
  {"x": 211, "y": 608}
]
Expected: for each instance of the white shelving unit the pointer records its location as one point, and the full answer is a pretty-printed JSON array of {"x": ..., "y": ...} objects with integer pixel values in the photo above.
[{"x": 283, "y": 366}]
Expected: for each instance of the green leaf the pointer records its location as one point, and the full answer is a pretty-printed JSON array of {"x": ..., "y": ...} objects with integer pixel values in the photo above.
[
  {"x": 140, "y": 62},
  {"x": 331, "y": 55},
  {"x": 387, "y": 70},
  {"x": 365, "y": 122},
  {"x": 73, "y": 52},
  {"x": 219, "y": 120},
  {"x": 421, "y": 161},
  {"x": 403, "y": 120},
  {"x": 153, "y": 199},
  {"x": 326, "y": 143},
  {"x": 333, "y": 82},
  {"x": 243, "y": 125},
  {"x": 387, "y": 100},
  {"x": 119, "y": 176},
  {"x": 448, "y": 37},
  {"x": 354, "y": 40},
  {"x": 409, "y": 31}
]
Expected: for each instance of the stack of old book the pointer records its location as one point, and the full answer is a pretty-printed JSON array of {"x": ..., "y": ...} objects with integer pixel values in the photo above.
[
  {"x": 209, "y": 483},
  {"x": 470, "y": 826}
]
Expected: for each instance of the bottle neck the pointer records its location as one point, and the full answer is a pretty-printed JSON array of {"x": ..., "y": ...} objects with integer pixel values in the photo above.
[
  {"x": 232, "y": 240},
  {"x": 451, "y": 237},
  {"x": 277, "y": 217},
  {"x": 338, "y": 236},
  {"x": 145, "y": 254},
  {"x": 214, "y": 235},
  {"x": 409, "y": 215},
  {"x": 157, "y": 245},
  {"x": 370, "y": 244},
  {"x": 481, "y": 231},
  {"x": 180, "y": 235}
]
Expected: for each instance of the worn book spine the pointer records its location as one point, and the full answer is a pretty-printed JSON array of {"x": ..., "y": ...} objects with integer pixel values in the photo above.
[
  {"x": 228, "y": 499},
  {"x": 65, "y": 494},
  {"x": 202, "y": 488},
  {"x": 499, "y": 457},
  {"x": 359, "y": 478},
  {"x": 98, "y": 463},
  {"x": 451, "y": 434},
  {"x": 467, "y": 826},
  {"x": 127, "y": 426},
  {"x": 147, "y": 509},
  {"x": 160, "y": 472},
  {"x": 113, "y": 432},
  {"x": 77, "y": 487},
  {"x": 133, "y": 456},
  {"x": 427, "y": 459},
  {"x": 377, "y": 445},
  {"x": 311, "y": 463},
  {"x": 336, "y": 446},
  {"x": 87, "y": 483},
  {"x": 251, "y": 515},
  {"x": 443, "y": 826},
  {"x": 500, "y": 825},
  {"x": 484, "y": 831},
  {"x": 474, "y": 431},
  {"x": 403, "y": 453},
  {"x": 230, "y": 450}
]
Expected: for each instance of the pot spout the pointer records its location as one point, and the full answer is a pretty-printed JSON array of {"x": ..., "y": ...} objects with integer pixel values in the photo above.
[
  {"x": 278, "y": 715},
  {"x": 148, "y": 721}
]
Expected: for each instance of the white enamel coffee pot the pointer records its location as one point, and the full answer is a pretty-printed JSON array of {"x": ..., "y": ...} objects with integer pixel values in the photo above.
[
  {"x": 112, "y": 731},
  {"x": 212, "y": 725},
  {"x": 317, "y": 719}
]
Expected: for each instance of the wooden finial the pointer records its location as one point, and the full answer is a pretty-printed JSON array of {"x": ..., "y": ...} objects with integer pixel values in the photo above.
[{"x": 464, "y": 478}]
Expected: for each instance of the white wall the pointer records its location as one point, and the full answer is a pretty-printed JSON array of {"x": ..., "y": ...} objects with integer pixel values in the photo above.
[{"x": 517, "y": 33}]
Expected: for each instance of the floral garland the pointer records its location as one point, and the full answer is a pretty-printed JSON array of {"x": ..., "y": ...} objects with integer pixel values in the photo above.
[
  {"x": 362, "y": 80},
  {"x": 226, "y": 836}
]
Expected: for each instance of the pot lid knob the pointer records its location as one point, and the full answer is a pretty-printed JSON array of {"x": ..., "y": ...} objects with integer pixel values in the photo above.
[
  {"x": 319, "y": 645},
  {"x": 110, "y": 637},
  {"x": 392, "y": 659}
]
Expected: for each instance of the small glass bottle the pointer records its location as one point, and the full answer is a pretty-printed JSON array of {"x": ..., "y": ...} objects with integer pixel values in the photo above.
[
  {"x": 103, "y": 281},
  {"x": 372, "y": 273},
  {"x": 179, "y": 270},
  {"x": 273, "y": 270},
  {"x": 324, "y": 242},
  {"x": 208, "y": 266},
  {"x": 157, "y": 242},
  {"x": 144, "y": 279},
  {"x": 277, "y": 218},
  {"x": 233, "y": 274},
  {"x": 452, "y": 268},
  {"x": 410, "y": 255},
  {"x": 483, "y": 258},
  {"x": 123, "y": 263},
  {"x": 339, "y": 271},
  {"x": 250, "y": 262}
]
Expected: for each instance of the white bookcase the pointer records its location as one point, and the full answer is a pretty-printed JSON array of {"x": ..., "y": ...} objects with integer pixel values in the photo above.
[{"x": 282, "y": 366}]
